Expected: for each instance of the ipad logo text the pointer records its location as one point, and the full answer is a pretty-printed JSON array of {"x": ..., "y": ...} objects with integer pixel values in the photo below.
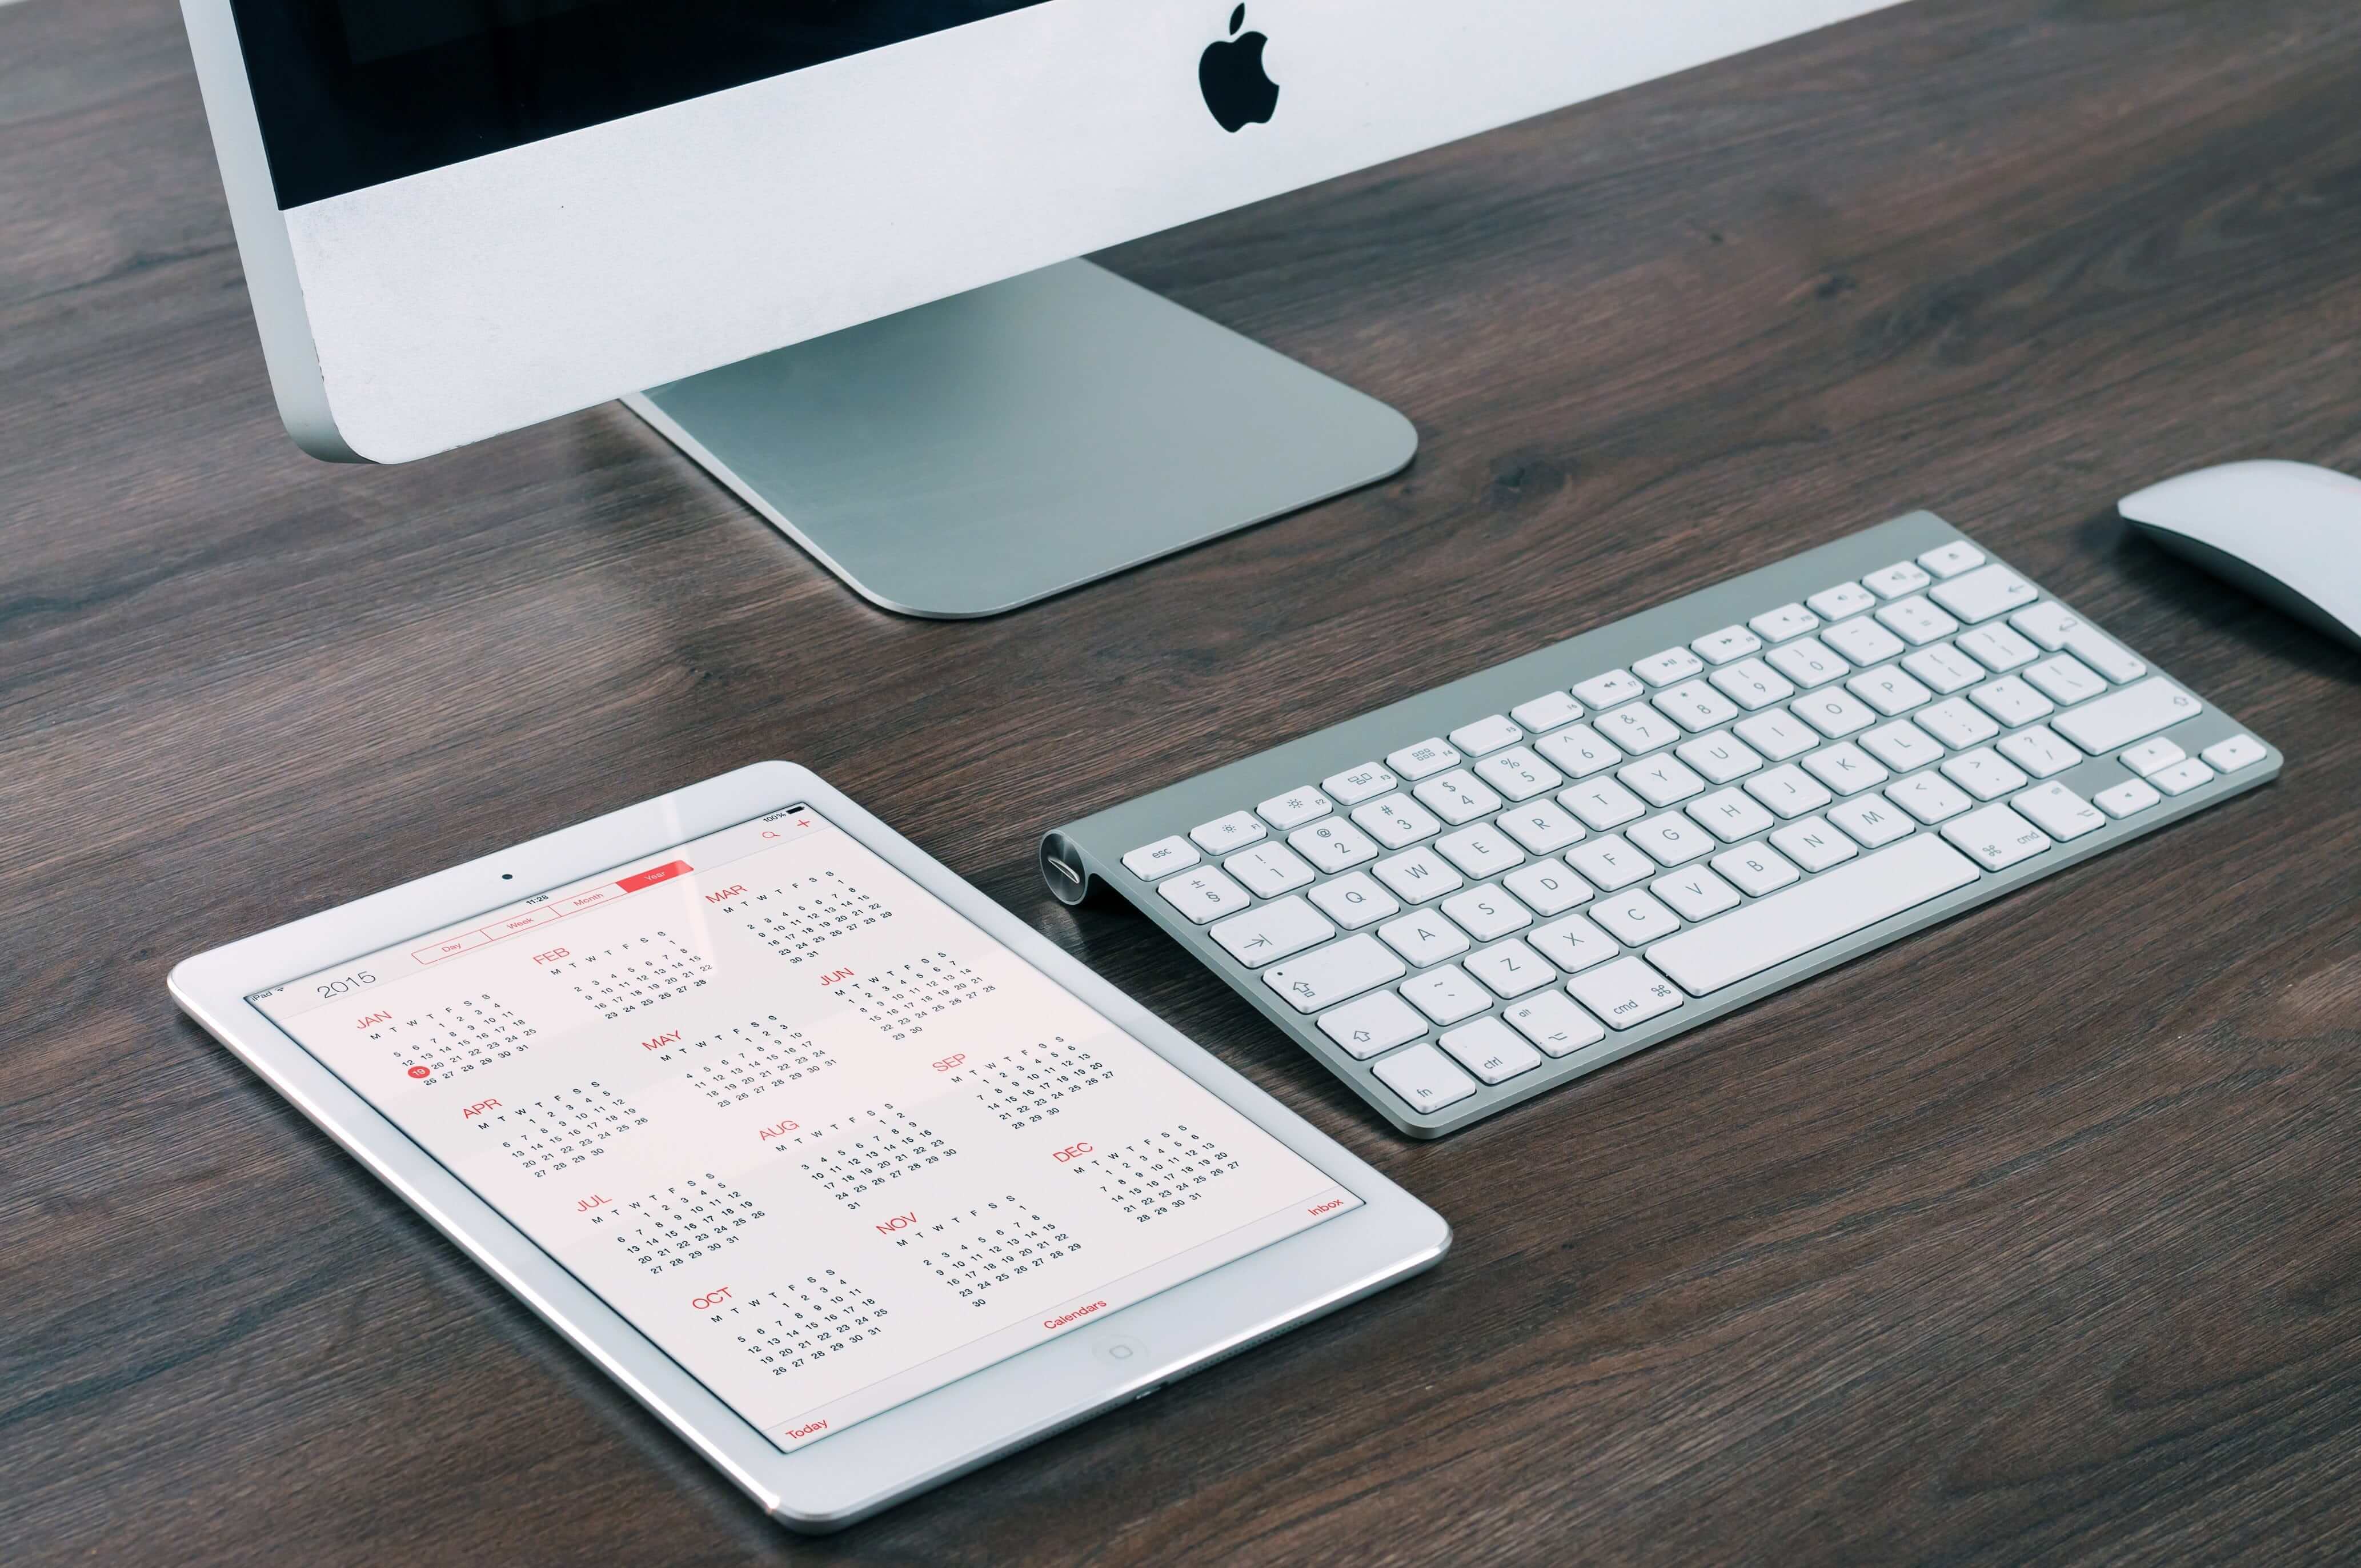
[{"x": 669, "y": 1037}]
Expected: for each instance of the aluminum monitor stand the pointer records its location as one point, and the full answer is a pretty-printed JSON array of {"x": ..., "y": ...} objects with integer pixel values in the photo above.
[{"x": 988, "y": 450}]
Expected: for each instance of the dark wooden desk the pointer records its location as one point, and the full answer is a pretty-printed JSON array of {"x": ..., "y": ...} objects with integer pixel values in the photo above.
[{"x": 2033, "y": 1238}]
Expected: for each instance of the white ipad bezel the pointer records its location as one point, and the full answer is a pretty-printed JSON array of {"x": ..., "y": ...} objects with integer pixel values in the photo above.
[{"x": 935, "y": 1436}]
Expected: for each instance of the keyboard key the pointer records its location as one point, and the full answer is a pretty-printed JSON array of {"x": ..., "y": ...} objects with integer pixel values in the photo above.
[
  {"x": 1354, "y": 785},
  {"x": 1378, "y": 1022},
  {"x": 1603, "y": 803},
  {"x": 1903, "y": 746},
  {"x": 1872, "y": 820},
  {"x": 1337, "y": 972},
  {"x": 1638, "y": 728},
  {"x": 1846, "y": 768},
  {"x": 1553, "y": 1023},
  {"x": 1864, "y": 641},
  {"x": 1540, "y": 827},
  {"x": 2152, "y": 757},
  {"x": 1423, "y": 938},
  {"x": 1510, "y": 969},
  {"x": 2066, "y": 680},
  {"x": 1844, "y": 599},
  {"x": 1424, "y": 1078},
  {"x": 1788, "y": 790},
  {"x": 1814, "y": 844},
  {"x": 1419, "y": 875},
  {"x": 1834, "y": 713},
  {"x": 1944, "y": 667},
  {"x": 1269, "y": 870},
  {"x": 1447, "y": 994},
  {"x": 1730, "y": 642},
  {"x": 1730, "y": 815},
  {"x": 1809, "y": 662},
  {"x": 1334, "y": 845},
  {"x": 1998, "y": 648},
  {"x": 1758, "y": 868},
  {"x": 2054, "y": 626},
  {"x": 1626, "y": 992},
  {"x": 1721, "y": 756},
  {"x": 1274, "y": 931},
  {"x": 1457, "y": 796},
  {"x": 2237, "y": 752},
  {"x": 1397, "y": 820},
  {"x": 1672, "y": 839},
  {"x": 1984, "y": 774},
  {"x": 1787, "y": 620},
  {"x": 1917, "y": 620},
  {"x": 2127, "y": 798},
  {"x": 1634, "y": 917},
  {"x": 1891, "y": 690},
  {"x": 1573, "y": 943},
  {"x": 1223, "y": 834},
  {"x": 2010, "y": 701},
  {"x": 1662, "y": 780},
  {"x": 2058, "y": 812},
  {"x": 1481, "y": 851},
  {"x": 1202, "y": 895},
  {"x": 1811, "y": 915},
  {"x": 1950, "y": 560},
  {"x": 1609, "y": 861},
  {"x": 1163, "y": 858},
  {"x": 2182, "y": 776},
  {"x": 1519, "y": 774},
  {"x": 1751, "y": 683},
  {"x": 1956, "y": 723},
  {"x": 1695, "y": 706},
  {"x": 1294, "y": 809},
  {"x": 1354, "y": 901},
  {"x": 1606, "y": 690},
  {"x": 1579, "y": 749},
  {"x": 1486, "y": 735},
  {"x": 1424, "y": 760},
  {"x": 1777, "y": 734},
  {"x": 1902, "y": 577},
  {"x": 1488, "y": 1049},
  {"x": 1930, "y": 797},
  {"x": 1671, "y": 665},
  {"x": 2134, "y": 713},
  {"x": 1485, "y": 914},
  {"x": 1983, "y": 593},
  {"x": 2040, "y": 751},
  {"x": 1696, "y": 893},
  {"x": 1996, "y": 837},
  {"x": 1548, "y": 887},
  {"x": 1547, "y": 711}
]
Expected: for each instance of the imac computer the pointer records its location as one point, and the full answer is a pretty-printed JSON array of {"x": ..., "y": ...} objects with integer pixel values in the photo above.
[{"x": 829, "y": 248}]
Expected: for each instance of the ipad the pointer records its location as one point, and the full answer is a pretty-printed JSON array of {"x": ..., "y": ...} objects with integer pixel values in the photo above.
[{"x": 845, "y": 1173}]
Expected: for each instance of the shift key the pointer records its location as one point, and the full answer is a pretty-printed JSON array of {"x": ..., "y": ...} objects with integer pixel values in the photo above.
[
  {"x": 2132, "y": 714},
  {"x": 1334, "y": 973}
]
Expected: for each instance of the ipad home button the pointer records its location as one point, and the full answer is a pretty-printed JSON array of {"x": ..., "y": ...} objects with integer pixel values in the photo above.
[{"x": 1122, "y": 1350}]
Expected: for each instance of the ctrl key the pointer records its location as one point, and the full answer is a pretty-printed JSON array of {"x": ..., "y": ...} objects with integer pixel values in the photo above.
[{"x": 1421, "y": 1076}]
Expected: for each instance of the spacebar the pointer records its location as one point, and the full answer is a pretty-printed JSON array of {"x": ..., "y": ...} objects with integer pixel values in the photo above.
[{"x": 1833, "y": 904}]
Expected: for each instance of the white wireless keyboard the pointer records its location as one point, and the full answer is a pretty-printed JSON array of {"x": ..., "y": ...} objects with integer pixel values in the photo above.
[{"x": 1471, "y": 895}]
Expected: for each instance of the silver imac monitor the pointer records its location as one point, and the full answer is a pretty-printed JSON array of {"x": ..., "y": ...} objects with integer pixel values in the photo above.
[{"x": 827, "y": 247}]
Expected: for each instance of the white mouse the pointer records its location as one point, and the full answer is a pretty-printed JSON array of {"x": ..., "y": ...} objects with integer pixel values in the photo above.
[{"x": 2286, "y": 532}]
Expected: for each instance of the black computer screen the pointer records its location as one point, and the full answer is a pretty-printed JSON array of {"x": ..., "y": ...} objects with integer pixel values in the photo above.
[{"x": 355, "y": 93}]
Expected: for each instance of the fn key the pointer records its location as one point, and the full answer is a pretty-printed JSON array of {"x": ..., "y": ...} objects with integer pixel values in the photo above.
[{"x": 1423, "y": 1077}]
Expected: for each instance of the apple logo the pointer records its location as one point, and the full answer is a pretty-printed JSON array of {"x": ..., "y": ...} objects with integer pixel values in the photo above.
[{"x": 1238, "y": 89}]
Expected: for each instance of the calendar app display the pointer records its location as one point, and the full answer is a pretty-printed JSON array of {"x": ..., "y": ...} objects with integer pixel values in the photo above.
[{"x": 824, "y": 1142}]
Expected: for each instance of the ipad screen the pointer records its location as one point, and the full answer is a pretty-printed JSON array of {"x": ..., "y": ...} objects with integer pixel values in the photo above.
[{"x": 821, "y": 1138}]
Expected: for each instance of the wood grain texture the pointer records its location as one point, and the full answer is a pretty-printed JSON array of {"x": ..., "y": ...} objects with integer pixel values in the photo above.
[{"x": 2032, "y": 1239}]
